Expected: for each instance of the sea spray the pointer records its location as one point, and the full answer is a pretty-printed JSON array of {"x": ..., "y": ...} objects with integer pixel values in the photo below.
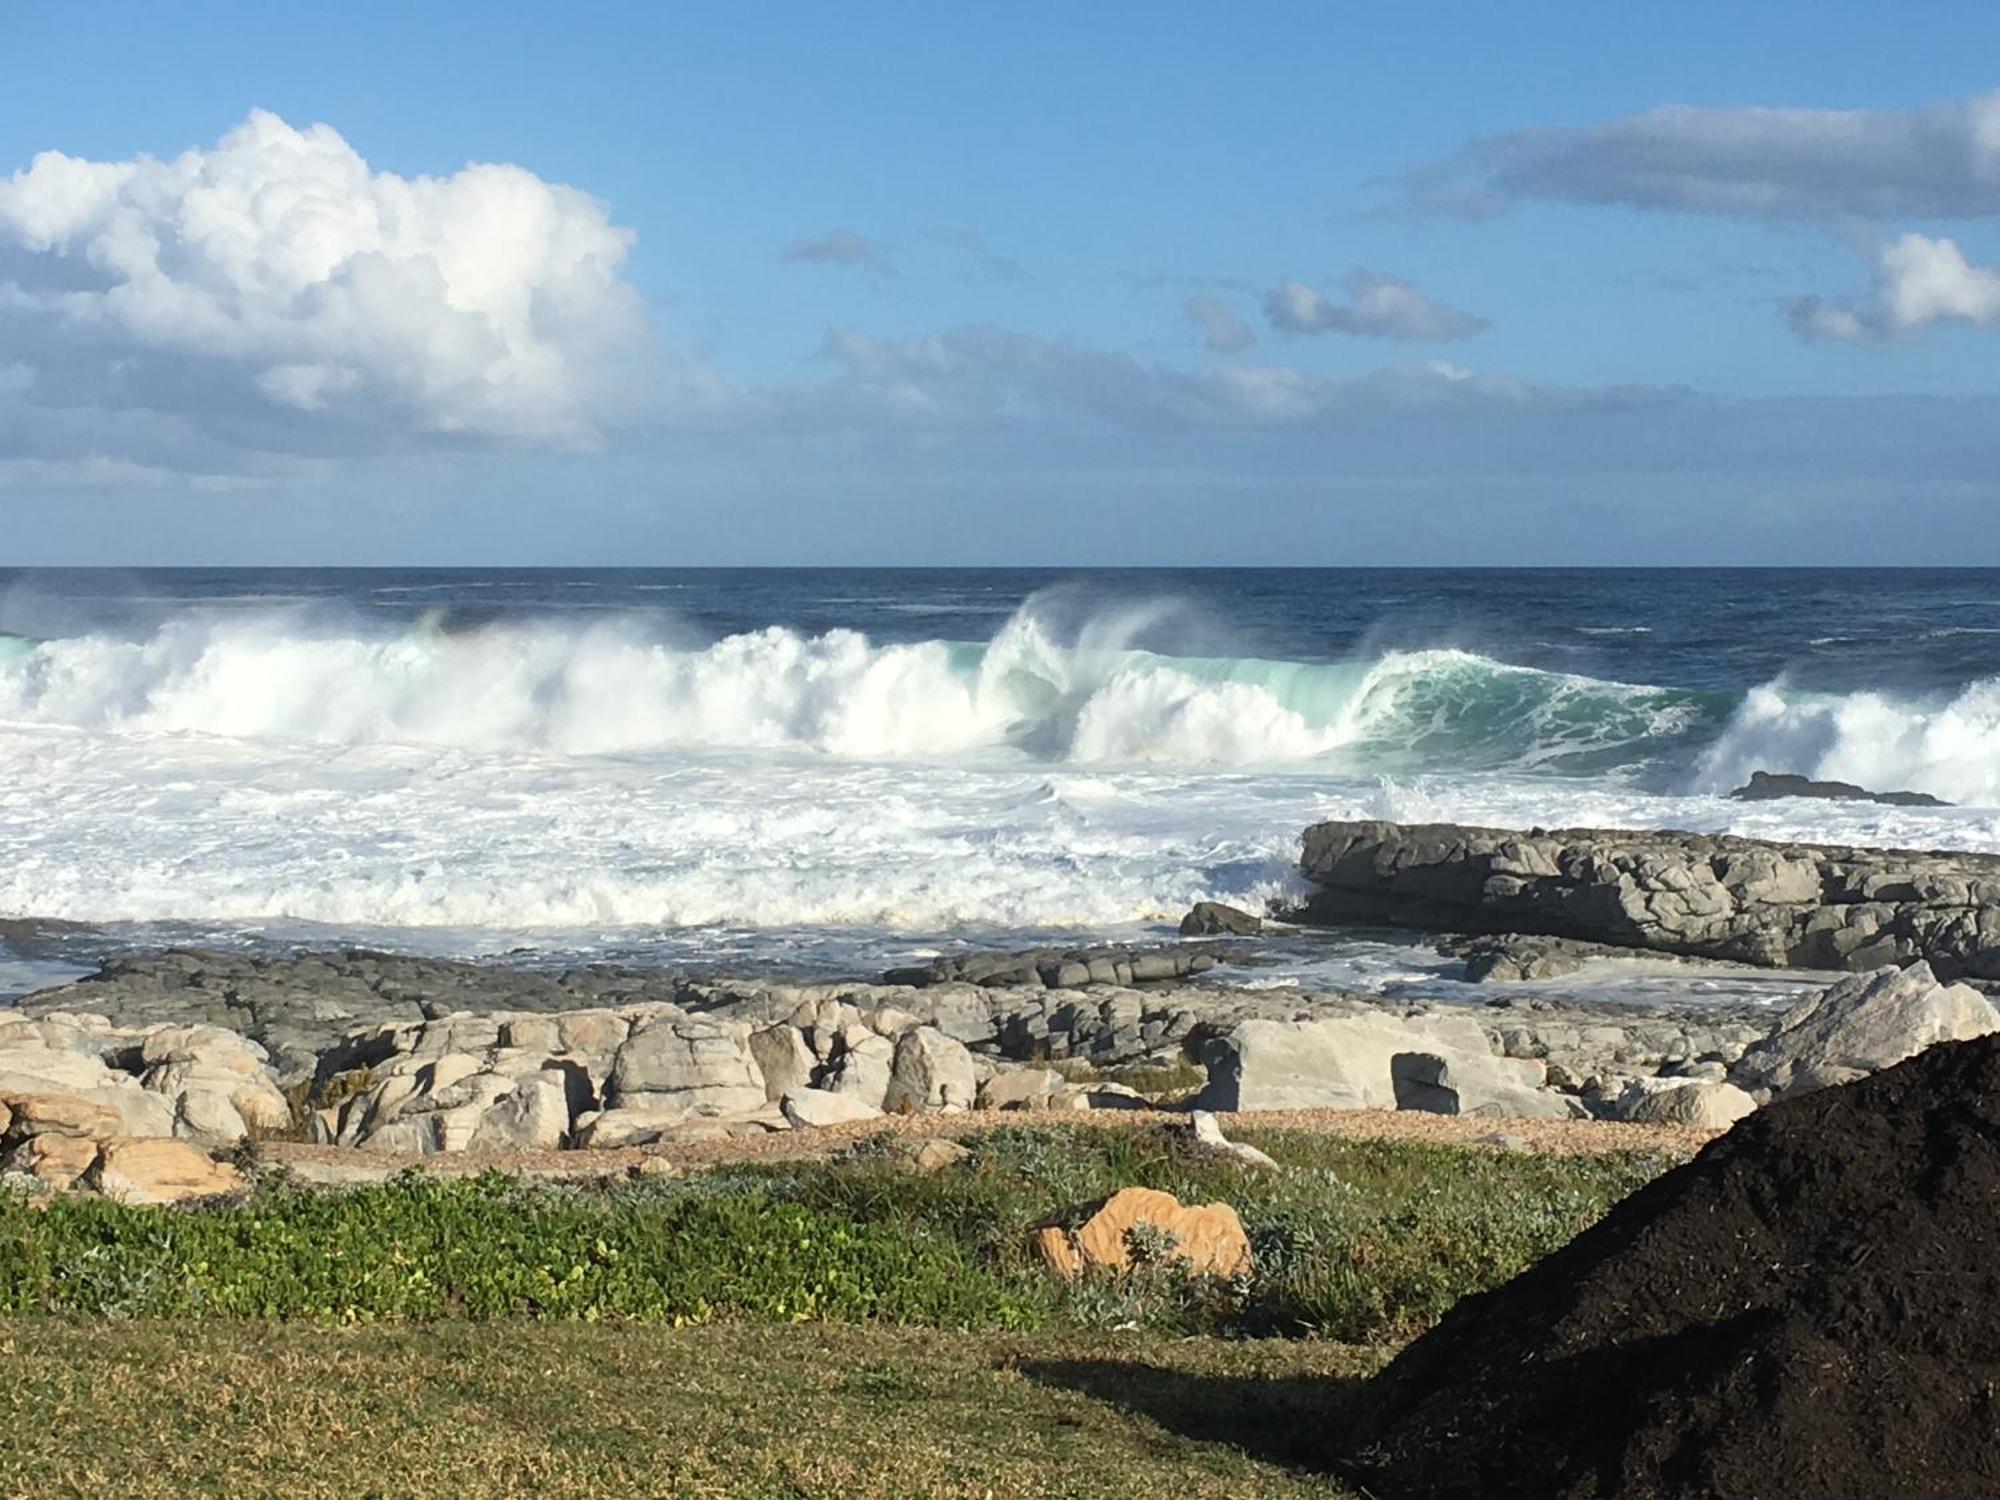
[{"x": 617, "y": 687}]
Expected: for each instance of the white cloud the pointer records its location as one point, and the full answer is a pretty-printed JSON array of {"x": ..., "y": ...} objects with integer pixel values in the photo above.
[
  {"x": 840, "y": 247},
  {"x": 1940, "y": 161},
  {"x": 1221, "y": 330},
  {"x": 1918, "y": 281},
  {"x": 983, "y": 376},
  {"x": 277, "y": 271},
  {"x": 1378, "y": 307}
]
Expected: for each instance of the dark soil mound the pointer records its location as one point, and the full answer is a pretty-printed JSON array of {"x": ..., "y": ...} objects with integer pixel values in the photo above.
[{"x": 1811, "y": 1307}]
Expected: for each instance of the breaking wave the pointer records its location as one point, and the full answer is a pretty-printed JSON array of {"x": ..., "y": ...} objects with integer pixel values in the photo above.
[
  {"x": 1947, "y": 745},
  {"x": 619, "y": 688}
]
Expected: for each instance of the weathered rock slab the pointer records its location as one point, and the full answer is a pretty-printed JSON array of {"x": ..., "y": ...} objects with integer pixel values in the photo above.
[{"x": 1802, "y": 906}]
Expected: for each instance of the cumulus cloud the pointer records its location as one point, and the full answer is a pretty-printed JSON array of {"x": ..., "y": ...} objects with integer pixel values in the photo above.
[
  {"x": 1940, "y": 161},
  {"x": 1918, "y": 281},
  {"x": 840, "y": 247},
  {"x": 1221, "y": 330},
  {"x": 279, "y": 289},
  {"x": 1378, "y": 307}
]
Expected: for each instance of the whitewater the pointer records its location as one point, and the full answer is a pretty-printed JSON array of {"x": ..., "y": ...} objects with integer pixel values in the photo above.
[{"x": 810, "y": 768}]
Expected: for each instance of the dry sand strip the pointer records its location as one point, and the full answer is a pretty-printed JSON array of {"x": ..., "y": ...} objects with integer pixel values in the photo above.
[{"x": 339, "y": 1164}]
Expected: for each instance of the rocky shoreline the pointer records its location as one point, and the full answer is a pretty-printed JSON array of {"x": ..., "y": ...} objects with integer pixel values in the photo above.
[{"x": 196, "y": 1053}]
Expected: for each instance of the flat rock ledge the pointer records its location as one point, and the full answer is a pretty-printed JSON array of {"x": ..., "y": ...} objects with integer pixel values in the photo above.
[{"x": 1800, "y": 906}]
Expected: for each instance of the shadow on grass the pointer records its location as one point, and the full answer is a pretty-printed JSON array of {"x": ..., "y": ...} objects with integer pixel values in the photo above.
[{"x": 1291, "y": 1420}]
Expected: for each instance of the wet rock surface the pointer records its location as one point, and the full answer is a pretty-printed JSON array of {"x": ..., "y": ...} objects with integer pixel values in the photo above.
[
  {"x": 1808, "y": 1308},
  {"x": 1803, "y": 906},
  {"x": 1768, "y": 786},
  {"x": 1056, "y": 968}
]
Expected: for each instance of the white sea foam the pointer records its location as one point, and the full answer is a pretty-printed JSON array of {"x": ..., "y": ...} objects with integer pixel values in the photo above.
[
  {"x": 233, "y": 768},
  {"x": 619, "y": 687},
  {"x": 1947, "y": 746}
]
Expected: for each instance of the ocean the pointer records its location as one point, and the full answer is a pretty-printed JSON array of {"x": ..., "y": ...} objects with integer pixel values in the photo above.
[{"x": 829, "y": 770}]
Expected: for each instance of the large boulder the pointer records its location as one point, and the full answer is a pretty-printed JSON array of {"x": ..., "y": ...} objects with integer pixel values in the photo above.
[
  {"x": 158, "y": 1171},
  {"x": 930, "y": 1072},
  {"x": 54, "y": 1161},
  {"x": 1861, "y": 1025},
  {"x": 703, "y": 1067},
  {"x": 863, "y": 1066},
  {"x": 1215, "y": 919},
  {"x": 1021, "y": 1088},
  {"x": 1704, "y": 1105},
  {"x": 784, "y": 1058},
  {"x": 1443, "y": 1065}
]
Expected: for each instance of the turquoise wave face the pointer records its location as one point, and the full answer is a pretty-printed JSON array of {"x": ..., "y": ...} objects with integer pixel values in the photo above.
[{"x": 1403, "y": 711}]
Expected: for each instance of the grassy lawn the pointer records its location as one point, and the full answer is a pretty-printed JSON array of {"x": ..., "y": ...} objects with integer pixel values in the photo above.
[
  {"x": 727, "y": 1408},
  {"x": 838, "y": 1327}
]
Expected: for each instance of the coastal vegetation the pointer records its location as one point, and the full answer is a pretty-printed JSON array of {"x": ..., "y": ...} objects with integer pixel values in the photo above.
[
  {"x": 843, "y": 1326},
  {"x": 1354, "y": 1240}
]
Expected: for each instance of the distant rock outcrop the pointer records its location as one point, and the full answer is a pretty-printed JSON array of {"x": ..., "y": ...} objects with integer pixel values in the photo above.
[{"x": 1767, "y": 786}]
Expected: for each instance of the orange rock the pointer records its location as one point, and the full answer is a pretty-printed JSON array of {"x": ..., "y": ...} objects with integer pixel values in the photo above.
[
  {"x": 1209, "y": 1238},
  {"x": 62, "y": 1114},
  {"x": 156, "y": 1170},
  {"x": 52, "y": 1159}
]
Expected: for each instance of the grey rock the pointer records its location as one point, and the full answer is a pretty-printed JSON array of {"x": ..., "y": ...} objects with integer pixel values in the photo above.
[
  {"x": 1804, "y": 906},
  {"x": 1214, "y": 919},
  {"x": 864, "y": 1067},
  {"x": 710, "y": 1061},
  {"x": 1861, "y": 1025},
  {"x": 1766, "y": 786},
  {"x": 931, "y": 1071},
  {"x": 1707, "y": 1106},
  {"x": 806, "y": 1108},
  {"x": 1056, "y": 968},
  {"x": 1370, "y": 1061},
  {"x": 784, "y": 1059}
]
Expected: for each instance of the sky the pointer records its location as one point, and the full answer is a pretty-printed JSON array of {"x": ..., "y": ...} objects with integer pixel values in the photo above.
[{"x": 999, "y": 284}]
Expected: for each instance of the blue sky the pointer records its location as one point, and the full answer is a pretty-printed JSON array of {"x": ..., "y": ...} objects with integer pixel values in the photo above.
[{"x": 999, "y": 284}]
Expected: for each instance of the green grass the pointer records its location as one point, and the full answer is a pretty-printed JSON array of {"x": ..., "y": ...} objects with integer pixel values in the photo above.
[
  {"x": 1354, "y": 1240},
  {"x": 729, "y": 1409},
  {"x": 827, "y": 1328}
]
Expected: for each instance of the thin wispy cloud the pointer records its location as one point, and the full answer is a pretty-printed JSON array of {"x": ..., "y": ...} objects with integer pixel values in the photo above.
[
  {"x": 1222, "y": 332},
  {"x": 1378, "y": 307},
  {"x": 988, "y": 264},
  {"x": 984, "y": 375},
  {"x": 840, "y": 247},
  {"x": 1940, "y": 161}
]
